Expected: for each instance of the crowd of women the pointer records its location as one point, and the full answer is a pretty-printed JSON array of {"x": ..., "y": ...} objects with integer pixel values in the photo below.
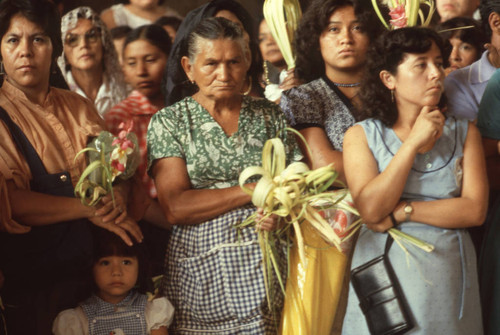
[{"x": 203, "y": 94}]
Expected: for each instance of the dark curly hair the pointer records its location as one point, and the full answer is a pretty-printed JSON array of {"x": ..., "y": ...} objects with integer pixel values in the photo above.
[
  {"x": 473, "y": 36},
  {"x": 309, "y": 62},
  {"x": 387, "y": 53}
]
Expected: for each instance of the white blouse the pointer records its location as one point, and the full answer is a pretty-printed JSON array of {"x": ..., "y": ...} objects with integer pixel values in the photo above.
[
  {"x": 124, "y": 17},
  {"x": 159, "y": 313}
]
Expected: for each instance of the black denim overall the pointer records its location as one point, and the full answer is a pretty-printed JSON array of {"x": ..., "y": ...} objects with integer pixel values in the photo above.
[{"x": 46, "y": 269}]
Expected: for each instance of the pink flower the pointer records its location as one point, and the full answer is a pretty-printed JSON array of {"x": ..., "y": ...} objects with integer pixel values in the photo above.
[
  {"x": 117, "y": 168},
  {"x": 398, "y": 17},
  {"x": 340, "y": 226}
]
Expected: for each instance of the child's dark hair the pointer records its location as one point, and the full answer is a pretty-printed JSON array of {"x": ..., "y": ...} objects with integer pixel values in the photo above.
[
  {"x": 387, "y": 53},
  {"x": 152, "y": 33},
  {"x": 108, "y": 244}
]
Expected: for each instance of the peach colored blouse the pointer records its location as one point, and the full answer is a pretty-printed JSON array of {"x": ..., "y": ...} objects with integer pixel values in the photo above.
[{"x": 58, "y": 130}]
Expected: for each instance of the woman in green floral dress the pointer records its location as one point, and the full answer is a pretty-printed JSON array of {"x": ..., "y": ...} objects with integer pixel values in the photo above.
[{"x": 197, "y": 149}]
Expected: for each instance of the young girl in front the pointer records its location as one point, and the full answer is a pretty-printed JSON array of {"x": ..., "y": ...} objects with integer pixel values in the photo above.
[{"x": 118, "y": 304}]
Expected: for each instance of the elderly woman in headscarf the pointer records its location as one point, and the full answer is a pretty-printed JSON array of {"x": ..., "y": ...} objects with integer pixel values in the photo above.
[
  {"x": 89, "y": 62},
  {"x": 177, "y": 85}
]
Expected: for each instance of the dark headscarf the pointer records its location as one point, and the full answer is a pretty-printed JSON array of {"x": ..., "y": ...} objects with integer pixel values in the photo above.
[{"x": 176, "y": 85}]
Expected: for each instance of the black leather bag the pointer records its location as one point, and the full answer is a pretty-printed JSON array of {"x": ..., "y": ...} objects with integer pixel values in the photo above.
[{"x": 380, "y": 296}]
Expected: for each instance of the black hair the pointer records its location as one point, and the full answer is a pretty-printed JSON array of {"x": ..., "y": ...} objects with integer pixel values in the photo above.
[
  {"x": 214, "y": 28},
  {"x": 120, "y": 32},
  {"x": 172, "y": 21},
  {"x": 41, "y": 12},
  {"x": 106, "y": 243},
  {"x": 152, "y": 33},
  {"x": 473, "y": 35},
  {"x": 486, "y": 7},
  {"x": 387, "y": 53},
  {"x": 309, "y": 62}
]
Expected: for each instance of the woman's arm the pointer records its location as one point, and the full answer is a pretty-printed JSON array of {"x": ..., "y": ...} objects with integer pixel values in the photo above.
[
  {"x": 322, "y": 152},
  {"x": 108, "y": 18},
  {"x": 184, "y": 205},
  {"x": 470, "y": 208},
  {"x": 377, "y": 195},
  {"x": 38, "y": 209}
]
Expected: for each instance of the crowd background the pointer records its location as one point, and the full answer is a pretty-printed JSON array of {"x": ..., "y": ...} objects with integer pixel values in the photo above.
[
  {"x": 254, "y": 7},
  {"x": 178, "y": 183}
]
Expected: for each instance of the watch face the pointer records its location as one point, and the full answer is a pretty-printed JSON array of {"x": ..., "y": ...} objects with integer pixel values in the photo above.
[{"x": 408, "y": 209}]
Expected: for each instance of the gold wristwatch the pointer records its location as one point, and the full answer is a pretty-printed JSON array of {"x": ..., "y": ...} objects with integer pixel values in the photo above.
[{"x": 408, "y": 209}]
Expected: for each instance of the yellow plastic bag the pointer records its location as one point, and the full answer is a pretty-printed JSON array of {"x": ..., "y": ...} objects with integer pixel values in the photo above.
[{"x": 313, "y": 289}]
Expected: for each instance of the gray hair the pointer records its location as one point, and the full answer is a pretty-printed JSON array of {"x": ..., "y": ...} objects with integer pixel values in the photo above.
[{"x": 215, "y": 28}]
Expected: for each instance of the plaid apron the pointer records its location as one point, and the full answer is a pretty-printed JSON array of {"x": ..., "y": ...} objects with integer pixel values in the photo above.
[{"x": 215, "y": 278}]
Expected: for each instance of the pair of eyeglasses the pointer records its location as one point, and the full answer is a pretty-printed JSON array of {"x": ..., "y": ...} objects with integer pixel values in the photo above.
[{"x": 91, "y": 36}]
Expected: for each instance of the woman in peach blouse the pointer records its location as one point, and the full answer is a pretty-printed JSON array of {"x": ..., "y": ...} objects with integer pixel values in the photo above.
[{"x": 45, "y": 239}]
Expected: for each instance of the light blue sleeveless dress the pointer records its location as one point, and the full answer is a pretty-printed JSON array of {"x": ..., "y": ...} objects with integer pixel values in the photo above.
[{"x": 441, "y": 287}]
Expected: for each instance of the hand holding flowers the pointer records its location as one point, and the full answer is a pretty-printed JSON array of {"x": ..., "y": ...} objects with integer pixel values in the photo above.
[{"x": 110, "y": 158}]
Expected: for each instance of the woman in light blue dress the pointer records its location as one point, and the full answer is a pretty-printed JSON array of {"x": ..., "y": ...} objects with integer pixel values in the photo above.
[{"x": 409, "y": 160}]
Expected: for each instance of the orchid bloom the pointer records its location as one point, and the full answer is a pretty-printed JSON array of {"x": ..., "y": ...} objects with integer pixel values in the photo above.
[
  {"x": 398, "y": 16},
  {"x": 124, "y": 147}
]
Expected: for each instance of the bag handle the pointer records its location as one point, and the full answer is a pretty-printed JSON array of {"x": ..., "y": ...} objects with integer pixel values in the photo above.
[{"x": 388, "y": 244}]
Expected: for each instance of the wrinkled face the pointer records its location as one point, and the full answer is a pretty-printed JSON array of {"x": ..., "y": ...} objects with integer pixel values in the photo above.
[
  {"x": 143, "y": 66},
  {"x": 449, "y": 9},
  {"x": 83, "y": 46},
  {"x": 219, "y": 69},
  {"x": 419, "y": 79},
  {"x": 343, "y": 43},
  {"x": 115, "y": 276},
  {"x": 462, "y": 54},
  {"x": 268, "y": 47},
  {"x": 26, "y": 54}
]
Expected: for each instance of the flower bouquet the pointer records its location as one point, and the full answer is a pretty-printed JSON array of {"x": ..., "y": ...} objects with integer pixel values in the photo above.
[
  {"x": 405, "y": 13},
  {"x": 109, "y": 158},
  {"x": 296, "y": 195}
]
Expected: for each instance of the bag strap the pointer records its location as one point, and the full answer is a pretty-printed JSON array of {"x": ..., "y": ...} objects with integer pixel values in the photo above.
[
  {"x": 24, "y": 145},
  {"x": 388, "y": 244}
]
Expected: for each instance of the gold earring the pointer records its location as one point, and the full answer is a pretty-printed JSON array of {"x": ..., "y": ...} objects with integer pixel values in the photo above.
[{"x": 392, "y": 95}]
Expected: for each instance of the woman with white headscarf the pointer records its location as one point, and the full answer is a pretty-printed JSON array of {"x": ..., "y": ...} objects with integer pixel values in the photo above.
[{"x": 89, "y": 62}]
